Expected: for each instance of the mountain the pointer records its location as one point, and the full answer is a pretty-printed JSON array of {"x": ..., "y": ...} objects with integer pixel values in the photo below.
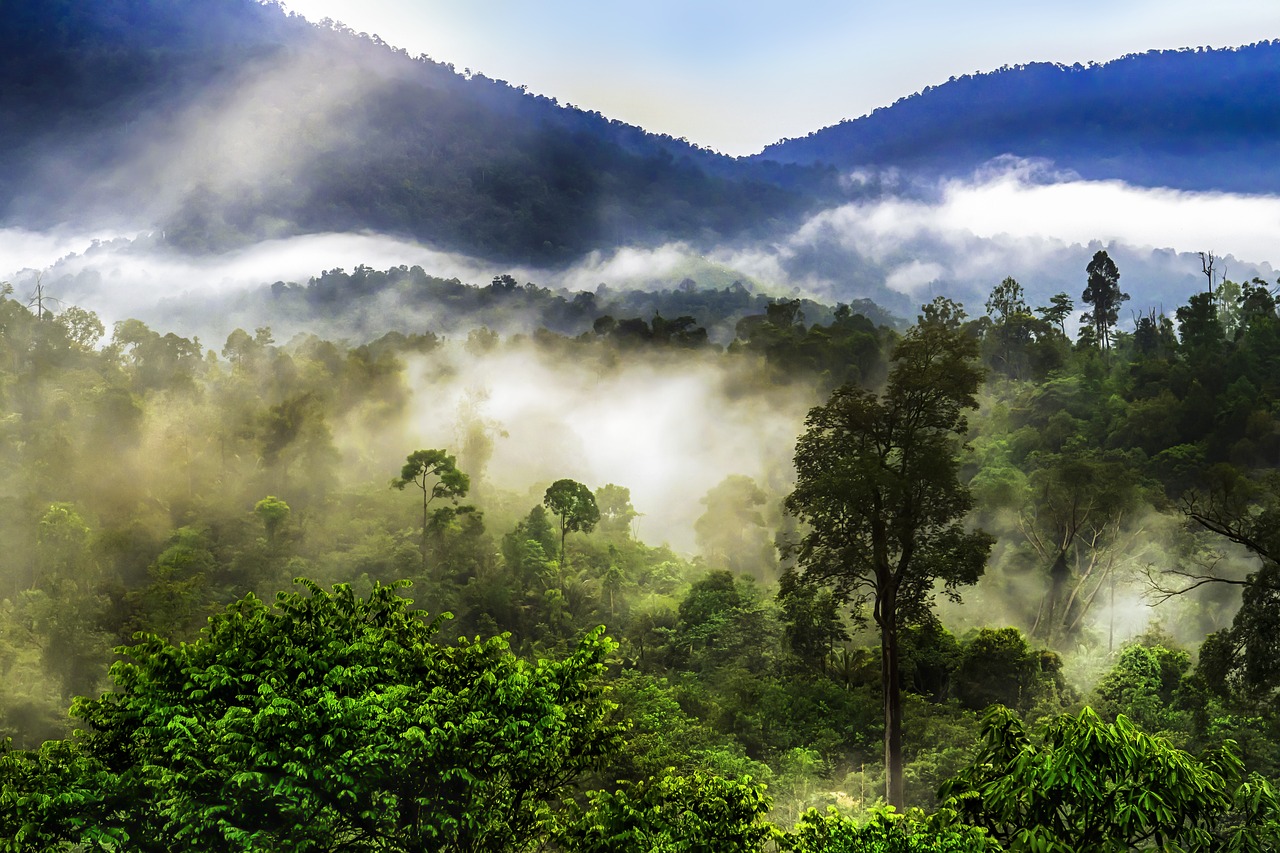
[
  {"x": 1192, "y": 119},
  {"x": 221, "y": 123},
  {"x": 228, "y": 121}
]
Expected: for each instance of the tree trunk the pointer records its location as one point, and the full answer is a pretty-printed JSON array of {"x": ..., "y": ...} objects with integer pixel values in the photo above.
[
  {"x": 890, "y": 680},
  {"x": 563, "y": 531},
  {"x": 1049, "y": 625},
  {"x": 423, "y": 546}
]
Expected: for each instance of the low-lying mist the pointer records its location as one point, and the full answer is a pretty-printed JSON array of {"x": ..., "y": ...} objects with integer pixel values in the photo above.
[
  {"x": 956, "y": 238},
  {"x": 669, "y": 427}
]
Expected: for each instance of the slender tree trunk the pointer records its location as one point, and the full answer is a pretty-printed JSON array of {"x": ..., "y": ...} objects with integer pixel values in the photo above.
[
  {"x": 563, "y": 530},
  {"x": 890, "y": 679},
  {"x": 423, "y": 545},
  {"x": 1111, "y": 634}
]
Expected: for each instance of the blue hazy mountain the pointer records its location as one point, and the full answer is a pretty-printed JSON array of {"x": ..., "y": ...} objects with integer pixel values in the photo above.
[
  {"x": 227, "y": 121},
  {"x": 1192, "y": 119},
  {"x": 223, "y": 122}
]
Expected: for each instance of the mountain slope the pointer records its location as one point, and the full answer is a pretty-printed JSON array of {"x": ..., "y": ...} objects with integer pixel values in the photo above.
[
  {"x": 1192, "y": 119},
  {"x": 223, "y": 121}
]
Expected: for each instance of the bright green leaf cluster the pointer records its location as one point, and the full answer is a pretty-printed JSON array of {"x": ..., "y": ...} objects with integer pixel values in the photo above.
[
  {"x": 323, "y": 722},
  {"x": 700, "y": 813},
  {"x": 1092, "y": 785}
]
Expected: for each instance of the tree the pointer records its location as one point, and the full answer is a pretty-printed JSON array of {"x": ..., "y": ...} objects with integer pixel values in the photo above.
[
  {"x": 273, "y": 513},
  {"x": 732, "y": 533},
  {"x": 1016, "y": 340},
  {"x": 1057, "y": 311},
  {"x": 1102, "y": 292},
  {"x": 1006, "y": 301},
  {"x": 84, "y": 328},
  {"x": 998, "y": 666},
  {"x": 1198, "y": 325},
  {"x": 1098, "y": 786},
  {"x": 437, "y": 475},
  {"x": 616, "y": 511},
  {"x": 324, "y": 722},
  {"x": 812, "y": 619},
  {"x": 575, "y": 505},
  {"x": 1077, "y": 519},
  {"x": 1143, "y": 684},
  {"x": 877, "y": 488},
  {"x": 1244, "y": 659},
  {"x": 674, "y": 813}
]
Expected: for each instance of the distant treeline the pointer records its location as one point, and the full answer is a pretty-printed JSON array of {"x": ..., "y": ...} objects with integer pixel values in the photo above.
[{"x": 506, "y": 305}]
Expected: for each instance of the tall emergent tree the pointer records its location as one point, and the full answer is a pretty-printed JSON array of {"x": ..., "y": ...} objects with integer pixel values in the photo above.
[
  {"x": 878, "y": 491},
  {"x": 576, "y": 506},
  {"x": 436, "y": 473},
  {"x": 1103, "y": 293}
]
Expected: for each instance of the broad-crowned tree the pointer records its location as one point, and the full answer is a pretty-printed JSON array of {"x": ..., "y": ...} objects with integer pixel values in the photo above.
[
  {"x": 878, "y": 491},
  {"x": 576, "y": 506},
  {"x": 326, "y": 721},
  {"x": 1085, "y": 784},
  {"x": 436, "y": 474}
]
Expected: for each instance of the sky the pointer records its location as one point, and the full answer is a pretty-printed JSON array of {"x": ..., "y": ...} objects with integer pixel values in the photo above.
[{"x": 737, "y": 76}]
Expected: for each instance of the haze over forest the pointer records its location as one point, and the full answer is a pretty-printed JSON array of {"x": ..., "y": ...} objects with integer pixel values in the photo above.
[{"x": 281, "y": 301}]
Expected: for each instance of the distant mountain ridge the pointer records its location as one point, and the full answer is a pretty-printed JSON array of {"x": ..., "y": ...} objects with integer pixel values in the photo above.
[
  {"x": 1195, "y": 119},
  {"x": 225, "y": 121}
]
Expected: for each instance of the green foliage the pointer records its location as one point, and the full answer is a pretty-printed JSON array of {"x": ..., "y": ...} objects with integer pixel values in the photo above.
[
  {"x": 664, "y": 735},
  {"x": 848, "y": 350},
  {"x": 1057, "y": 311},
  {"x": 576, "y": 506},
  {"x": 127, "y": 471},
  {"x": 616, "y": 511},
  {"x": 436, "y": 474},
  {"x": 1102, "y": 293},
  {"x": 1016, "y": 343},
  {"x": 885, "y": 832},
  {"x": 732, "y": 533},
  {"x": 1199, "y": 328},
  {"x": 1143, "y": 685},
  {"x": 324, "y": 721},
  {"x": 272, "y": 512},
  {"x": 998, "y": 667},
  {"x": 1085, "y": 784},
  {"x": 177, "y": 599},
  {"x": 812, "y": 617},
  {"x": 670, "y": 813},
  {"x": 878, "y": 492},
  {"x": 722, "y": 620}
]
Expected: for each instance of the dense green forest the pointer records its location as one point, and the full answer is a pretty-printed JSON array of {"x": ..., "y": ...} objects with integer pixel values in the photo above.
[{"x": 1018, "y": 586}]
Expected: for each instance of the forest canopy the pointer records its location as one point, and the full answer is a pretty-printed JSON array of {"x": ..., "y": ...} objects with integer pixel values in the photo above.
[{"x": 159, "y": 492}]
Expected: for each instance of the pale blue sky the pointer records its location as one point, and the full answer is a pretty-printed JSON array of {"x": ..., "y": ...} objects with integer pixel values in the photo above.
[{"x": 737, "y": 76}]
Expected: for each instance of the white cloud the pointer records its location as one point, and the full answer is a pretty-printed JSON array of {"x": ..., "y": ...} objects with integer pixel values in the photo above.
[{"x": 914, "y": 277}]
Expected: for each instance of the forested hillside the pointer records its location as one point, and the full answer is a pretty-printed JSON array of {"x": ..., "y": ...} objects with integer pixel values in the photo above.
[
  {"x": 152, "y": 480},
  {"x": 1194, "y": 119},
  {"x": 229, "y": 121}
]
